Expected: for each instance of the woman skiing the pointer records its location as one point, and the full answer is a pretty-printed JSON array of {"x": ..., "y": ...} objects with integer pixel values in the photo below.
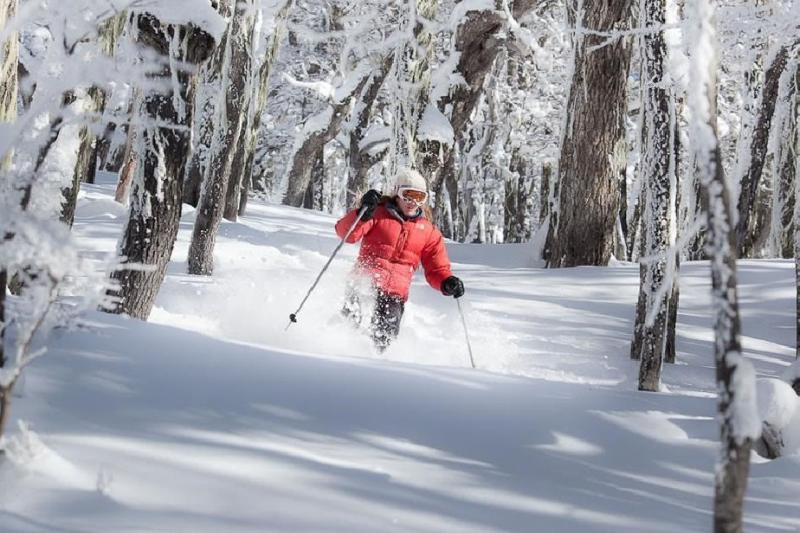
[{"x": 396, "y": 237}]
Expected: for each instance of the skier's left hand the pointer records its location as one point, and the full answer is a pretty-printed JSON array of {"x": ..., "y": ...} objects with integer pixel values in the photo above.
[{"x": 453, "y": 286}]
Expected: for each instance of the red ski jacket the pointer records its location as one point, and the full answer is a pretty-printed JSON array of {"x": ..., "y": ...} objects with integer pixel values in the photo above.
[{"x": 392, "y": 248}]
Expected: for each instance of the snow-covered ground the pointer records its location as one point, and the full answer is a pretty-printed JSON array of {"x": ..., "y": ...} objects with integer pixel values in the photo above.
[{"x": 213, "y": 418}]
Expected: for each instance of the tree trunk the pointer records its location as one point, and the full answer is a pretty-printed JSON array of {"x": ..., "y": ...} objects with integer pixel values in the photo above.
[
  {"x": 737, "y": 412},
  {"x": 260, "y": 92},
  {"x": 129, "y": 160},
  {"x": 233, "y": 60},
  {"x": 244, "y": 52},
  {"x": 751, "y": 176},
  {"x": 796, "y": 215},
  {"x": 479, "y": 40},
  {"x": 658, "y": 179},
  {"x": 202, "y": 132},
  {"x": 309, "y": 152},
  {"x": 9, "y": 60},
  {"x": 593, "y": 148},
  {"x": 784, "y": 166},
  {"x": 670, "y": 351},
  {"x": 3, "y": 285},
  {"x": 517, "y": 217},
  {"x": 155, "y": 204},
  {"x": 359, "y": 156},
  {"x": 9, "y": 57}
]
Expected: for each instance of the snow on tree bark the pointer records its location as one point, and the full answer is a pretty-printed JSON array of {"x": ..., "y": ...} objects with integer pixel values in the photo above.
[
  {"x": 752, "y": 172},
  {"x": 361, "y": 158},
  {"x": 155, "y": 203},
  {"x": 659, "y": 182},
  {"x": 479, "y": 39},
  {"x": 412, "y": 79},
  {"x": 8, "y": 112},
  {"x": 9, "y": 54},
  {"x": 795, "y": 148},
  {"x": 318, "y": 132},
  {"x": 592, "y": 150},
  {"x": 259, "y": 101},
  {"x": 779, "y": 242},
  {"x": 232, "y": 60},
  {"x": 737, "y": 412}
]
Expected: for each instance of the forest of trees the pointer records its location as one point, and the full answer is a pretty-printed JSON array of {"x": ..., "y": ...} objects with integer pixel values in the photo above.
[{"x": 657, "y": 131}]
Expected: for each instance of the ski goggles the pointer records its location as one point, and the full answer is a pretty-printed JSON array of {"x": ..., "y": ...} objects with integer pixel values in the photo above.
[{"x": 410, "y": 195}]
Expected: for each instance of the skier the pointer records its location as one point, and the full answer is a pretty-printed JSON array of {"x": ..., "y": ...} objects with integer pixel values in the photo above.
[{"x": 396, "y": 237}]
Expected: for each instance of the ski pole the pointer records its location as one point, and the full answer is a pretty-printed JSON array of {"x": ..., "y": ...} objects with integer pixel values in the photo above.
[
  {"x": 293, "y": 316},
  {"x": 466, "y": 333}
]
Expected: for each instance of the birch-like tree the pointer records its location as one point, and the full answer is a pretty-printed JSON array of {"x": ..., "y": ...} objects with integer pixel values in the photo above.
[
  {"x": 738, "y": 416},
  {"x": 659, "y": 182}
]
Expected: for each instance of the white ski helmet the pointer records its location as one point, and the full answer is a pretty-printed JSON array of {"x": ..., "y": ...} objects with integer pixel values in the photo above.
[{"x": 409, "y": 178}]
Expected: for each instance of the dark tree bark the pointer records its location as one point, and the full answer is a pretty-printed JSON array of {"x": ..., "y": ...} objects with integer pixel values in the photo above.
[
  {"x": 129, "y": 162},
  {"x": 245, "y": 53},
  {"x": 480, "y": 38},
  {"x": 784, "y": 197},
  {"x": 751, "y": 177},
  {"x": 156, "y": 194},
  {"x": 592, "y": 150},
  {"x": 310, "y": 150},
  {"x": 203, "y": 132},
  {"x": 658, "y": 179},
  {"x": 360, "y": 157},
  {"x": 3, "y": 285},
  {"x": 544, "y": 195},
  {"x": 517, "y": 217},
  {"x": 233, "y": 52},
  {"x": 259, "y": 103},
  {"x": 670, "y": 351},
  {"x": 86, "y": 162},
  {"x": 795, "y": 144},
  {"x": 9, "y": 59}
]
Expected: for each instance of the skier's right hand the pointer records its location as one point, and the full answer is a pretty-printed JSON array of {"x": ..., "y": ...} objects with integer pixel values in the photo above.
[
  {"x": 453, "y": 286},
  {"x": 370, "y": 200}
]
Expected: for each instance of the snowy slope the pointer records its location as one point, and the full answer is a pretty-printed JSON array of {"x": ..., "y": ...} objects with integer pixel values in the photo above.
[{"x": 213, "y": 418}]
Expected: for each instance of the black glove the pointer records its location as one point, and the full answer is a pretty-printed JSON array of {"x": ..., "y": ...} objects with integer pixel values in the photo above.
[
  {"x": 370, "y": 200},
  {"x": 453, "y": 286}
]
